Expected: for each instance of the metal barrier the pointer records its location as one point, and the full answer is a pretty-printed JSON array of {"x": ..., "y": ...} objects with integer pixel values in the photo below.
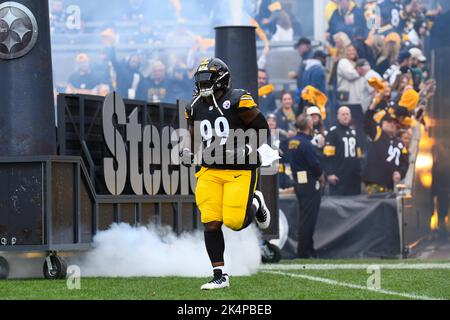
[{"x": 49, "y": 204}]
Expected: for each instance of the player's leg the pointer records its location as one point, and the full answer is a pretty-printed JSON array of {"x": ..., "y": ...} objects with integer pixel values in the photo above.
[
  {"x": 209, "y": 195},
  {"x": 214, "y": 239},
  {"x": 239, "y": 203},
  {"x": 215, "y": 245},
  {"x": 262, "y": 215}
]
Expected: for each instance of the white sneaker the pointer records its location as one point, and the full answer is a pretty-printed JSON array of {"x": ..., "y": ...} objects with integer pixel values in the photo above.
[
  {"x": 263, "y": 214},
  {"x": 220, "y": 281}
]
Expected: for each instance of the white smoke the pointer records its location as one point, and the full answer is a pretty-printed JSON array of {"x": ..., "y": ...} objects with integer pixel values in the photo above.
[
  {"x": 126, "y": 251},
  {"x": 237, "y": 16}
]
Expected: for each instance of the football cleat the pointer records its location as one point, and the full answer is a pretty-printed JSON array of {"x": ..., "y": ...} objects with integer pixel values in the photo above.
[
  {"x": 220, "y": 281},
  {"x": 263, "y": 214}
]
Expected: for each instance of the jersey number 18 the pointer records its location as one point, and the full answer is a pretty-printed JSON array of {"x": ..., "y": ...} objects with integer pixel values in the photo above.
[{"x": 350, "y": 147}]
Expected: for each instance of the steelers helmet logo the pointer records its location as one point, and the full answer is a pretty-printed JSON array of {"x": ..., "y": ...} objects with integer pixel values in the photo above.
[
  {"x": 227, "y": 105},
  {"x": 18, "y": 30}
]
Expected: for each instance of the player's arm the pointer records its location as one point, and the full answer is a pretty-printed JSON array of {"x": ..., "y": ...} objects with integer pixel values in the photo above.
[
  {"x": 253, "y": 118},
  {"x": 189, "y": 141},
  {"x": 186, "y": 154}
]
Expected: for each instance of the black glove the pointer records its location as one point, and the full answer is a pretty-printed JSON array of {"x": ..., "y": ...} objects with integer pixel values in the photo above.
[{"x": 186, "y": 157}]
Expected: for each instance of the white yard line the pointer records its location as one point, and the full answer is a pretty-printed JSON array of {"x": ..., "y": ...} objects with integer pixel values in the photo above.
[
  {"x": 365, "y": 266},
  {"x": 352, "y": 286}
]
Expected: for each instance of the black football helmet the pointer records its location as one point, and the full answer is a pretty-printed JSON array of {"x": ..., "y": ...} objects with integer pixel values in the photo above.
[{"x": 212, "y": 75}]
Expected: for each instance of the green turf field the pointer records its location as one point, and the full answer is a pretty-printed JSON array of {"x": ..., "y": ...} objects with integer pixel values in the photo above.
[{"x": 293, "y": 280}]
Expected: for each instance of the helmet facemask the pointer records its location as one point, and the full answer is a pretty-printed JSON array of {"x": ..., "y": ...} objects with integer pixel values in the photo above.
[
  {"x": 213, "y": 75},
  {"x": 209, "y": 82},
  {"x": 205, "y": 83}
]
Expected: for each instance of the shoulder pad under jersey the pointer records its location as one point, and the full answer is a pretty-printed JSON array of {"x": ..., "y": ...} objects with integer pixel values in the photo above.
[{"x": 244, "y": 99}]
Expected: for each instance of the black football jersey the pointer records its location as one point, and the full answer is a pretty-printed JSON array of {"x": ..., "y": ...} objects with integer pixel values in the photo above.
[
  {"x": 394, "y": 13},
  {"x": 385, "y": 155},
  {"x": 343, "y": 158},
  {"x": 216, "y": 126}
]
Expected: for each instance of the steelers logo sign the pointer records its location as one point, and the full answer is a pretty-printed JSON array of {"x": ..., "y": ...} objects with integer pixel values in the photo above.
[
  {"x": 18, "y": 30},
  {"x": 227, "y": 105}
]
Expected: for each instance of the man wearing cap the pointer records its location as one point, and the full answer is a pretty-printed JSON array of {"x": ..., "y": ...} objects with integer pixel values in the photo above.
[
  {"x": 417, "y": 61},
  {"x": 365, "y": 70},
  {"x": 304, "y": 48},
  {"x": 343, "y": 155},
  {"x": 387, "y": 157},
  {"x": 319, "y": 132},
  {"x": 417, "y": 56},
  {"x": 82, "y": 81},
  {"x": 315, "y": 74}
]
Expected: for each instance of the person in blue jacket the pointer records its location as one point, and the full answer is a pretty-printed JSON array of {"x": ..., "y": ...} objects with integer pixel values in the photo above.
[
  {"x": 308, "y": 176},
  {"x": 315, "y": 74}
]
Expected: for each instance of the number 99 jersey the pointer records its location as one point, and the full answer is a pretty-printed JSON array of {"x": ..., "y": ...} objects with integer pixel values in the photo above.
[{"x": 217, "y": 125}]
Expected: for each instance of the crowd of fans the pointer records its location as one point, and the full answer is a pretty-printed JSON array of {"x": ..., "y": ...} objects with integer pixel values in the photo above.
[
  {"x": 367, "y": 88},
  {"x": 367, "y": 91},
  {"x": 160, "y": 75}
]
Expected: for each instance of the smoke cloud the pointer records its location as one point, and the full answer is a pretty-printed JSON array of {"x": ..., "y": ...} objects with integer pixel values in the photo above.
[{"x": 126, "y": 251}]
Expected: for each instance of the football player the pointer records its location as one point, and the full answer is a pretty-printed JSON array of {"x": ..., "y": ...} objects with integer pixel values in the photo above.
[{"x": 226, "y": 190}]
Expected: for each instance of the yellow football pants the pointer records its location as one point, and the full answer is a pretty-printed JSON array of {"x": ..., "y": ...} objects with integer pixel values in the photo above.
[{"x": 226, "y": 196}]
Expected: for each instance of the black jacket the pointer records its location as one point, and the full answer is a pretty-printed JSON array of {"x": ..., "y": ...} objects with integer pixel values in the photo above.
[
  {"x": 385, "y": 155},
  {"x": 303, "y": 158}
]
